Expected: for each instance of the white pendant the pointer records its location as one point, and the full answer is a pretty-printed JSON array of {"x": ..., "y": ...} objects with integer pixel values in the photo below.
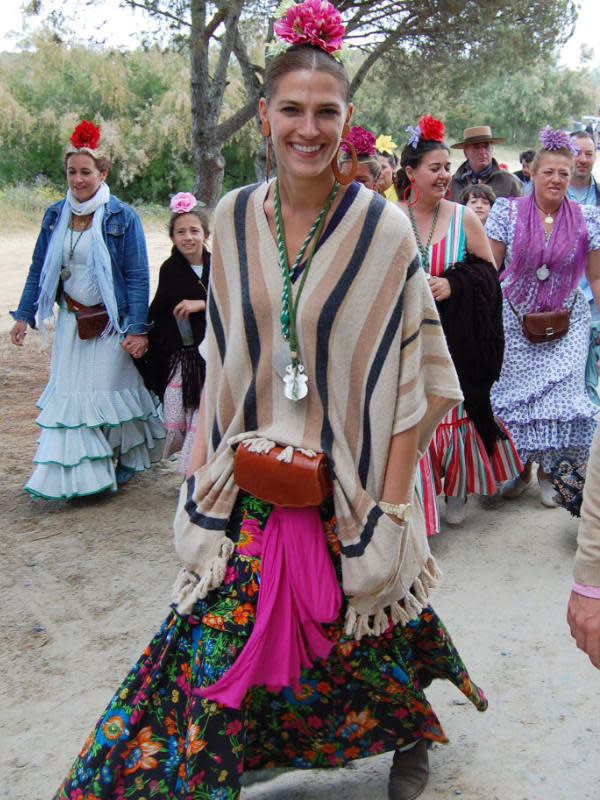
[
  {"x": 543, "y": 273},
  {"x": 548, "y": 220},
  {"x": 65, "y": 274},
  {"x": 295, "y": 383}
]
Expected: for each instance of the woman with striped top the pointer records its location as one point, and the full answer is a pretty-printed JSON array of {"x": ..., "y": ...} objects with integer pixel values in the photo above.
[
  {"x": 301, "y": 636},
  {"x": 471, "y": 451}
]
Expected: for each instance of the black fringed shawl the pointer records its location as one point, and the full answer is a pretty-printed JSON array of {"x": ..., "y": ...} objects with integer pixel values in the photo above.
[
  {"x": 177, "y": 281},
  {"x": 472, "y": 321}
]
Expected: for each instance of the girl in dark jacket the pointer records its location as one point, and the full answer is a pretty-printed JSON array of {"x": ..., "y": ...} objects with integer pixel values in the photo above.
[{"x": 175, "y": 368}]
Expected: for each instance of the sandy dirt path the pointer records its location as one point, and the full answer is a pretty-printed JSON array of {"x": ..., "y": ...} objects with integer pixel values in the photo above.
[{"x": 85, "y": 584}]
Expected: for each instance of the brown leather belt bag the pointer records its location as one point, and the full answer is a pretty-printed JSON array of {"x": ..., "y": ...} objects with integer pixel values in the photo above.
[
  {"x": 545, "y": 326},
  {"x": 91, "y": 320},
  {"x": 304, "y": 481}
]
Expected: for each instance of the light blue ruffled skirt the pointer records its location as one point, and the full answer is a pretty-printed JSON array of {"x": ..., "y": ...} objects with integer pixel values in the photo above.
[{"x": 95, "y": 410}]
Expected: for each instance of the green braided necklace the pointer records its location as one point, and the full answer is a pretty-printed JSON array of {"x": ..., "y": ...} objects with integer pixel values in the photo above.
[
  {"x": 295, "y": 380},
  {"x": 424, "y": 250}
]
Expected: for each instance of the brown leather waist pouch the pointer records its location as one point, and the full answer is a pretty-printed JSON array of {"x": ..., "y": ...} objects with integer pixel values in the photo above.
[
  {"x": 546, "y": 326},
  {"x": 91, "y": 320},
  {"x": 304, "y": 481}
]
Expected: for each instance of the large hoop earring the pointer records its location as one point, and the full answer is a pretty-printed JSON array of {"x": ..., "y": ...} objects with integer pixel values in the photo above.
[
  {"x": 407, "y": 191},
  {"x": 345, "y": 177},
  {"x": 265, "y": 128}
]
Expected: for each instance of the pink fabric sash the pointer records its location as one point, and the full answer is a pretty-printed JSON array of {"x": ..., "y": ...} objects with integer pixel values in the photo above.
[{"x": 298, "y": 591}]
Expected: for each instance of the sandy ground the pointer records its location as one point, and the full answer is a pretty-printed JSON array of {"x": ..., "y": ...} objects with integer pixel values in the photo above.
[{"x": 85, "y": 584}]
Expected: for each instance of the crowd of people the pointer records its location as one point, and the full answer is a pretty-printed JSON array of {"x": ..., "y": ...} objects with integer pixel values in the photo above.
[{"x": 367, "y": 333}]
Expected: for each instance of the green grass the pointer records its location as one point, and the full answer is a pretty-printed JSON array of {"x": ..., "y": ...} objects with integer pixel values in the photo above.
[{"x": 23, "y": 206}]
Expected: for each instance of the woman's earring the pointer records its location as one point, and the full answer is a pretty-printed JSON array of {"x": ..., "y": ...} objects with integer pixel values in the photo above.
[
  {"x": 265, "y": 129},
  {"x": 405, "y": 194},
  {"x": 345, "y": 177}
]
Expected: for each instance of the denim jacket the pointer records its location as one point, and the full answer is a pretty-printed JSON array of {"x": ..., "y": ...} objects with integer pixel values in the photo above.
[{"x": 126, "y": 244}]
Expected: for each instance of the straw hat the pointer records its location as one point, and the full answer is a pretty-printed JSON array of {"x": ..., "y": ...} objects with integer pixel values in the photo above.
[{"x": 479, "y": 133}]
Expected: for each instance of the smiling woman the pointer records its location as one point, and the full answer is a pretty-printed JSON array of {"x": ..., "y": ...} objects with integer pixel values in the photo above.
[
  {"x": 302, "y": 633},
  {"x": 90, "y": 258},
  {"x": 471, "y": 451},
  {"x": 548, "y": 242}
]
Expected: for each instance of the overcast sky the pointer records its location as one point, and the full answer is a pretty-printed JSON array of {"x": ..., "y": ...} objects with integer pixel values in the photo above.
[{"x": 119, "y": 26}]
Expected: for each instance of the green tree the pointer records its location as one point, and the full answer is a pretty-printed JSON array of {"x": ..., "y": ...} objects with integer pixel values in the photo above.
[{"x": 382, "y": 30}]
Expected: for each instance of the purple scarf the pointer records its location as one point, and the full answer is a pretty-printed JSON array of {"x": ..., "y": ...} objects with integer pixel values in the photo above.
[{"x": 565, "y": 255}]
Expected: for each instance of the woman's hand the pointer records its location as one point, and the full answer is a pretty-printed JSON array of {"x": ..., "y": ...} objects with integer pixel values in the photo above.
[
  {"x": 583, "y": 616},
  {"x": 440, "y": 288},
  {"x": 136, "y": 344},
  {"x": 598, "y": 366},
  {"x": 186, "y": 307},
  {"x": 18, "y": 332}
]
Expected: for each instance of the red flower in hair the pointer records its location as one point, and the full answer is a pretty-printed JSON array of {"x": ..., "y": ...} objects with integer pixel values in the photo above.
[
  {"x": 432, "y": 129},
  {"x": 86, "y": 134},
  {"x": 363, "y": 140}
]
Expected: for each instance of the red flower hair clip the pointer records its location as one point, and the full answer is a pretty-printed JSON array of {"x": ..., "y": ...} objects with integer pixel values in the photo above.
[
  {"x": 429, "y": 128},
  {"x": 86, "y": 134},
  {"x": 432, "y": 129}
]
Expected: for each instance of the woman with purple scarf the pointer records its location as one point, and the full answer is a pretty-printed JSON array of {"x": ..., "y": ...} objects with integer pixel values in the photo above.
[{"x": 548, "y": 243}]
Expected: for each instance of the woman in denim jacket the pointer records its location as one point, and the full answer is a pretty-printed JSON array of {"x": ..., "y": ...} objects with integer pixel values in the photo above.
[{"x": 99, "y": 423}]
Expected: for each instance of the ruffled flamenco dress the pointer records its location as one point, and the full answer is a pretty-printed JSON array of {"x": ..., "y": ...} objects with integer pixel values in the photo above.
[{"x": 96, "y": 415}]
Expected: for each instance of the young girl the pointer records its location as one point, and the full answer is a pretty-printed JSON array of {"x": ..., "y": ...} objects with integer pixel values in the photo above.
[
  {"x": 322, "y": 338},
  {"x": 479, "y": 198},
  {"x": 175, "y": 367}
]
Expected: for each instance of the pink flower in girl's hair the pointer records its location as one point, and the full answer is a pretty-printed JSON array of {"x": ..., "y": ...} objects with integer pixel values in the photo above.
[
  {"x": 314, "y": 22},
  {"x": 182, "y": 202}
]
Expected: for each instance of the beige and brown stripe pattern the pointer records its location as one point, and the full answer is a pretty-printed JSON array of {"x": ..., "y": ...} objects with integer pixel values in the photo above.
[{"x": 377, "y": 364}]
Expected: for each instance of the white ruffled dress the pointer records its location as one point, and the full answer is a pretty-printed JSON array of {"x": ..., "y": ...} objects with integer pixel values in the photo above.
[{"x": 95, "y": 409}]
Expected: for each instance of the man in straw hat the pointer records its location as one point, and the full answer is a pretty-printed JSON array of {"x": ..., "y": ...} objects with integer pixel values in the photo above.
[{"x": 480, "y": 167}]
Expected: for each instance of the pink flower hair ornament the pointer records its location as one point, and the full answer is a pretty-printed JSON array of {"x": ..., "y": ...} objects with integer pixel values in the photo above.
[
  {"x": 557, "y": 140},
  {"x": 183, "y": 203},
  {"x": 362, "y": 140},
  {"x": 313, "y": 22}
]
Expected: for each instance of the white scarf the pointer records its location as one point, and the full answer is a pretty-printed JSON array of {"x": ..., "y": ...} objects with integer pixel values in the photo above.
[{"x": 98, "y": 260}]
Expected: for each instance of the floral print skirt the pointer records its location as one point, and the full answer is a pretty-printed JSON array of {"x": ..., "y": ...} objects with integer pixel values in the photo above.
[{"x": 159, "y": 739}]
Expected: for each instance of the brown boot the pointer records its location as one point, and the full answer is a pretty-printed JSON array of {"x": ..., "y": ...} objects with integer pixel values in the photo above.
[{"x": 409, "y": 772}]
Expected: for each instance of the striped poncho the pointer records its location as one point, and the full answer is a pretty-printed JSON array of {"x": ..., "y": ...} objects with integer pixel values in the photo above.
[{"x": 377, "y": 364}]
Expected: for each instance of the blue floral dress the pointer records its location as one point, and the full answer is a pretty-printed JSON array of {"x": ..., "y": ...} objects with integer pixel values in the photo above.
[{"x": 541, "y": 394}]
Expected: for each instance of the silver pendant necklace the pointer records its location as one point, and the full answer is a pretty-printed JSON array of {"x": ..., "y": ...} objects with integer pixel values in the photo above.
[
  {"x": 543, "y": 273},
  {"x": 295, "y": 380},
  {"x": 65, "y": 272}
]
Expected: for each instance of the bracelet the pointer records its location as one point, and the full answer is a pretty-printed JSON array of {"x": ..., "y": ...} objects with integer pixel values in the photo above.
[{"x": 399, "y": 510}]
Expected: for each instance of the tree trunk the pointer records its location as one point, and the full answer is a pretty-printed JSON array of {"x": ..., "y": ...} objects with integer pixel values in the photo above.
[{"x": 209, "y": 168}]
